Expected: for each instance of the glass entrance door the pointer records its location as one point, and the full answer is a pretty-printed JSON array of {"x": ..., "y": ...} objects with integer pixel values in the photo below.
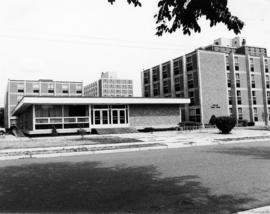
[
  {"x": 105, "y": 118},
  {"x": 115, "y": 117},
  {"x": 118, "y": 116},
  {"x": 101, "y": 117}
]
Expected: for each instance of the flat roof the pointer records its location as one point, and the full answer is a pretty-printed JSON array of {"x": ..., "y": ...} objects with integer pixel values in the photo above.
[{"x": 30, "y": 100}]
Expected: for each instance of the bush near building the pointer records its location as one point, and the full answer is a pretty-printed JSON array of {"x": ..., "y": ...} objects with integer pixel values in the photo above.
[
  {"x": 242, "y": 123},
  {"x": 212, "y": 120},
  {"x": 225, "y": 124}
]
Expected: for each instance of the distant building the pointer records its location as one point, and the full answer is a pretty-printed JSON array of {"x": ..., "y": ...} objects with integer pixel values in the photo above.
[
  {"x": 17, "y": 89},
  {"x": 109, "y": 86},
  {"x": 225, "y": 78}
]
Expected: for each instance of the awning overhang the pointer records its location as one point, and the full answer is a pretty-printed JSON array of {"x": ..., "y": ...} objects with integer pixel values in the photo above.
[{"x": 28, "y": 101}]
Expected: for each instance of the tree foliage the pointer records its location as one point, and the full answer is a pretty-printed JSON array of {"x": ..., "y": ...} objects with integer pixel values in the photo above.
[{"x": 185, "y": 14}]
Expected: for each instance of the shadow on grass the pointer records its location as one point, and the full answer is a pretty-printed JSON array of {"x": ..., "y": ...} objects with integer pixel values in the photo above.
[
  {"x": 89, "y": 187},
  {"x": 255, "y": 152}
]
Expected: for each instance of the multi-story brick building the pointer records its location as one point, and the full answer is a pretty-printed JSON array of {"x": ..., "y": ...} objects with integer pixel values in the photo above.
[
  {"x": 17, "y": 89},
  {"x": 226, "y": 78},
  {"x": 109, "y": 86}
]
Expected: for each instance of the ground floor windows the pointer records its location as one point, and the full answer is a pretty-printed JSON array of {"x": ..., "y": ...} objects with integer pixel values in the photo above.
[{"x": 195, "y": 115}]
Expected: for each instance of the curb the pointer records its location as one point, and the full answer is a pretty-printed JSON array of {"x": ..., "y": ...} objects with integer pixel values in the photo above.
[{"x": 82, "y": 153}]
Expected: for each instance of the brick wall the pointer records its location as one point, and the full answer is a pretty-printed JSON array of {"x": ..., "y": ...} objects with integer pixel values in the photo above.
[{"x": 154, "y": 115}]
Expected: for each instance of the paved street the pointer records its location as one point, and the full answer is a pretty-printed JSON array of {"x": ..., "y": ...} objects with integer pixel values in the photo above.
[{"x": 207, "y": 179}]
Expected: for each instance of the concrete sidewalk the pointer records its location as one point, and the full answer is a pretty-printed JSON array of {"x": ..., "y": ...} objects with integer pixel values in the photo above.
[{"x": 149, "y": 141}]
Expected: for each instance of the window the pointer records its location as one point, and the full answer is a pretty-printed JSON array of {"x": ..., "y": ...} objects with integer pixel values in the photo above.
[
  {"x": 147, "y": 91},
  {"x": 254, "y": 100},
  {"x": 240, "y": 114},
  {"x": 227, "y": 63},
  {"x": 50, "y": 88},
  {"x": 251, "y": 64},
  {"x": 195, "y": 115},
  {"x": 253, "y": 85},
  {"x": 156, "y": 89},
  {"x": 266, "y": 68},
  {"x": 177, "y": 67},
  {"x": 237, "y": 77},
  {"x": 267, "y": 81},
  {"x": 231, "y": 112},
  {"x": 36, "y": 88},
  {"x": 230, "y": 97},
  {"x": 238, "y": 94},
  {"x": 146, "y": 77},
  {"x": 268, "y": 97},
  {"x": 156, "y": 74},
  {"x": 189, "y": 63},
  {"x": 255, "y": 112},
  {"x": 167, "y": 87},
  {"x": 190, "y": 81},
  {"x": 236, "y": 63},
  {"x": 166, "y": 70},
  {"x": 177, "y": 84},
  {"x": 21, "y": 87},
  {"x": 191, "y": 97},
  {"x": 228, "y": 80},
  {"x": 65, "y": 88},
  {"x": 78, "y": 89}
]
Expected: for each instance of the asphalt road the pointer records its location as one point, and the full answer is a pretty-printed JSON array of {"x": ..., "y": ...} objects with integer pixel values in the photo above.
[{"x": 207, "y": 179}]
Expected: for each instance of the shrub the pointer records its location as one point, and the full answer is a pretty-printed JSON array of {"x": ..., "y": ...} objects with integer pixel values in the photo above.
[
  {"x": 251, "y": 123},
  {"x": 147, "y": 129},
  {"x": 212, "y": 120},
  {"x": 82, "y": 132},
  {"x": 243, "y": 123},
  {"x": 225, "y": 124},
  {"x": 54, "y": 131}
]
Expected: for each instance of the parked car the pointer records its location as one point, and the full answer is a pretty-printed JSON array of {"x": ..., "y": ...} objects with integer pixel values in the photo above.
[{"x": 2, "y": 131}]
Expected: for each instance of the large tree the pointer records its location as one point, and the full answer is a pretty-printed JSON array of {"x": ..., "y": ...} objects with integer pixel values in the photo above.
[{"x": 184, "y": 14}]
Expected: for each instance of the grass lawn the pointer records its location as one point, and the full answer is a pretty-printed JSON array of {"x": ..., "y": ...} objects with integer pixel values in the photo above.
[{"x": 61, "y": 141}]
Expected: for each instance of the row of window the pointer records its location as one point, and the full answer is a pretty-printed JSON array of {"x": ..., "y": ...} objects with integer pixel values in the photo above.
[
  {"x": 117, "y": 86},
  {"x": 166, "y": 70},
  {"x": 253, "y": 84},
  {"x": 254, "y": 97},
  {"x": 251, "y": 62},
  {"x": 114, "y": 81},
  {"x": 118, "y": 91},
  {"x": 50, "y": 88}
]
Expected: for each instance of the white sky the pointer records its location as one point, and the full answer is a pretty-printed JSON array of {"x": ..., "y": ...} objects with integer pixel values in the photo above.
[{"x": 78, "y": 39}]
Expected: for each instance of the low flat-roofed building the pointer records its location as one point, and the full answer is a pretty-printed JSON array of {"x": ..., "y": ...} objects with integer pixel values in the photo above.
[{"x": 41, "y": 115}]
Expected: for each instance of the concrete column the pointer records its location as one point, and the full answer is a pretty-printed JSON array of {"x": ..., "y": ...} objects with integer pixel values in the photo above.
[
  {"x": 172, "y": 79},
  {"x": 185, "y": 87},
  {"x": 233, "y": 85},
  {"x": 34, "y": 117},
  {"x": 63, "y": 120},
  {"x": 249, "y": 89},
  {"x": 142, "y": 84},
  {"x": 265, "y": 102},
  {"x": 151, "y": 82},
  {"x": 161, "y": 81},
  {"x": 89, "y": 114}
]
